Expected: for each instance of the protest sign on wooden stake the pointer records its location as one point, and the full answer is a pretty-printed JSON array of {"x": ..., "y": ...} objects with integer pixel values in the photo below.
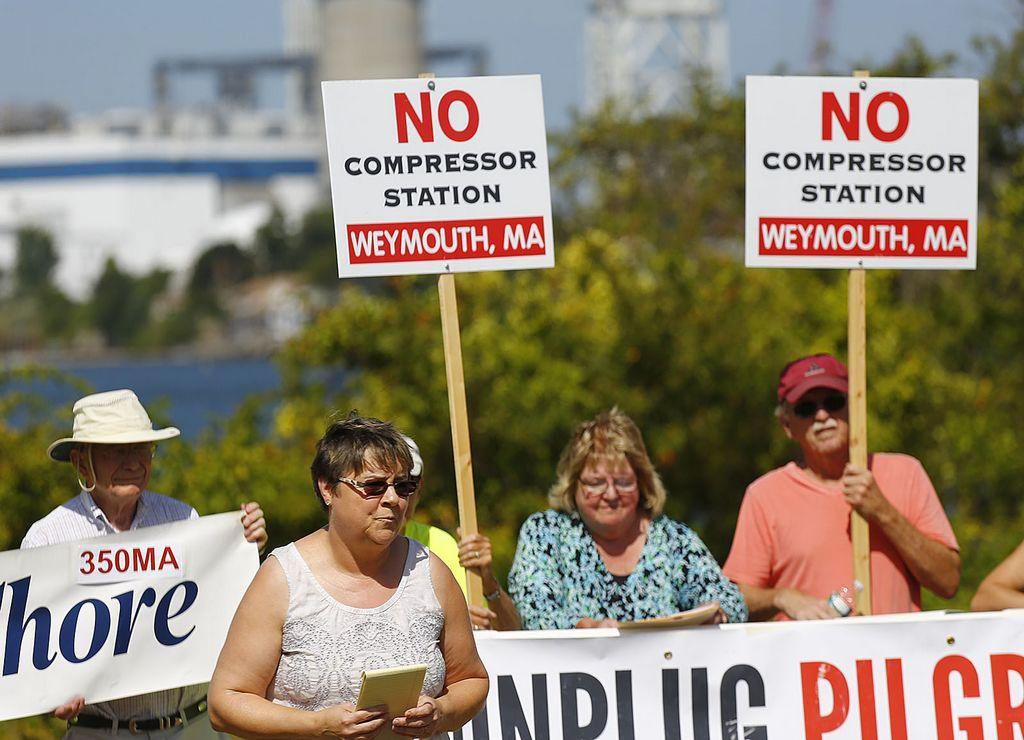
[
  {"x": 861, "y": 173},
  {"x": 438, "y": 176}
]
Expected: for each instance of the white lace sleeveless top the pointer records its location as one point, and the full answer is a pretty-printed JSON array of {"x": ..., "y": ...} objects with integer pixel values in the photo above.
[{"x": 326, "y": 645}]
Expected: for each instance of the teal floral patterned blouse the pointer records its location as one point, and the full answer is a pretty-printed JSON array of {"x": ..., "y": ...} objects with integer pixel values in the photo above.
[{"x": 558, "y": 577}]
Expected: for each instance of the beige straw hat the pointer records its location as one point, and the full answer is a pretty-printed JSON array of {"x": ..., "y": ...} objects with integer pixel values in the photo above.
[{"x": 114, "y": 417}]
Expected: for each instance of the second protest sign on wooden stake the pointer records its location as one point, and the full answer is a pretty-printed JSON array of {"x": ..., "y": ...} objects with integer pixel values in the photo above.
[{"x": 441, "y": 176}]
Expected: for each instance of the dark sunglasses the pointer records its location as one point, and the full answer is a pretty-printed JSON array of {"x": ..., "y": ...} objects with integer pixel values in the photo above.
[
  {"x": 832, "y": 404},
  {"x": 378, "y": 487}
]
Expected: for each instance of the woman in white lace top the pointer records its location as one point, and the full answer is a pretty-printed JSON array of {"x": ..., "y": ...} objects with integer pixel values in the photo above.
[{"x": 353, "y": 596}]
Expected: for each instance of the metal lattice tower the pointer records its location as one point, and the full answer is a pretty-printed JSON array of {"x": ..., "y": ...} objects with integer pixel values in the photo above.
[{"x": 644, "y": 52}]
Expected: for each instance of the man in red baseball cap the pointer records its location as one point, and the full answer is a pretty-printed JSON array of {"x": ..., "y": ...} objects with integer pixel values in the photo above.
[{"x": 792, "y": 554}]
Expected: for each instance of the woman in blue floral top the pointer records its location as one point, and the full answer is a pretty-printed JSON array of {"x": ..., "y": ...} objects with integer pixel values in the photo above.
[{"x": 604, "y": 553}]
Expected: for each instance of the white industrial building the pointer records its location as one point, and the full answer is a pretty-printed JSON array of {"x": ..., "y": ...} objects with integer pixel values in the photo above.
[
  {"x": 154, "y": 188},
  {"x": 147, "y": 201}
]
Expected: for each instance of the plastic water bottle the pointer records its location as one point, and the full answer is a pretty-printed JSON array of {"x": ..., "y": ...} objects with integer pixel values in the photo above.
[{"x": 843, "y": 600}]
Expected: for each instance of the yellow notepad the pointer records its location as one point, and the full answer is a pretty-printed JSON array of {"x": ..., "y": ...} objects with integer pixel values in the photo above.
[{"x": 398, "y": 688}]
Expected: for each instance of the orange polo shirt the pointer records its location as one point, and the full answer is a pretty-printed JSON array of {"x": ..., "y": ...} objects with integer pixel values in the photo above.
[{"x": 794, "y": 532}]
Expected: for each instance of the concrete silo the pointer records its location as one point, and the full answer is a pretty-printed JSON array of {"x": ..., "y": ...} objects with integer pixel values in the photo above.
[
  {"x": 357, "y": 39},
  {"x": 352, "y": 40}
]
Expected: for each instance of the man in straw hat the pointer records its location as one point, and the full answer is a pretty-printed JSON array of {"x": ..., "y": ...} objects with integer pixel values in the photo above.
[{"x": 111, "y": 450}]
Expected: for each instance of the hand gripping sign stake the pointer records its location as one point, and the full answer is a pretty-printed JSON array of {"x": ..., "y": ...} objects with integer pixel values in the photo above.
[{"x": 858, "y": 407}]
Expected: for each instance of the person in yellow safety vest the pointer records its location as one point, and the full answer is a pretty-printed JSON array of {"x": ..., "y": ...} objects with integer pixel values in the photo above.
[{"x": 472, "y": 552}]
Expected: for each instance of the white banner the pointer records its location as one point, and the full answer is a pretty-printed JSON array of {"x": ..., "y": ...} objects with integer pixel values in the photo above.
[
  {"x": 116, "y": 616},
  {"x": 848, "y": 172},
  {"x": 950, "y": 677},
  {"x": 439, "y": 175}
]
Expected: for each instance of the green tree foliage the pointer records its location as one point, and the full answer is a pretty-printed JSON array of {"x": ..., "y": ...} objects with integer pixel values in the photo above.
[
  {"x": 36, "y": 260},
  {"x": 121, "y": 303},
  {"x": 912, "y": 60},
  {"x": 37, "y": 312},
  {"x": 273, "y": 245},
  {"x": 1001, "y": 134},
  {"x": 666, "y": 179},
  {"x": 315, "y": 251},
  {"x": 688, "y": 345},
  {"x": 308, "y": 249},
  {"x": 30, "y": 484},
  {"x": 120, "y": 307},
  {"x": 218, "y": 268}
]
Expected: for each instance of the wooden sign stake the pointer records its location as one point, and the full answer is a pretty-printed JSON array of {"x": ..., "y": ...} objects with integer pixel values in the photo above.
[
  {"x": 460, "y": 422},
  {"x": 858, "y": 409},
  {"x": 459, "y": 416}
]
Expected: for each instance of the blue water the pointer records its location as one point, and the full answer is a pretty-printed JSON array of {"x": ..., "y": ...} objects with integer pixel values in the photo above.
[{"x": 191, "y": 394}]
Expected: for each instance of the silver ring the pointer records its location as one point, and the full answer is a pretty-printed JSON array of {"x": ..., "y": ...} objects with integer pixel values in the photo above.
[{"x": 475, "y": 554}]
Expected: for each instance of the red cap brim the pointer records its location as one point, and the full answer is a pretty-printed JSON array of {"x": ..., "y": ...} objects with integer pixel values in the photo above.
[{"x": 820, "y": 381}]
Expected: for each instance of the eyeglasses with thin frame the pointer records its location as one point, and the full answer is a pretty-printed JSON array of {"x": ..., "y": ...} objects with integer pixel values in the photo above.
[
  {"x": 831, "y": 403},
  {"x": 377, "y": 487},
  {"x": 122, "y": 453},
  {"x": 592, "y": 488}
]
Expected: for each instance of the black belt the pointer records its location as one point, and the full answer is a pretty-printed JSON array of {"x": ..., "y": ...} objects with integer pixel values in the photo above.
[{"x": 137, "y": 726}]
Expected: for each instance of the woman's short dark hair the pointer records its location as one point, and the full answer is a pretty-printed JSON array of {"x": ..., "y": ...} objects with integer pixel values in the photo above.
[{"x": 351, "y": 443}]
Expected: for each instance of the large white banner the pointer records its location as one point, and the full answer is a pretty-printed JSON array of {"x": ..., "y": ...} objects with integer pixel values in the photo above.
[
  {"x": 439, "y": 175},
  {"x": 116, "y": 616},
  {"x": 955, "y": 677},
  {"x": 861, "y": 172}
]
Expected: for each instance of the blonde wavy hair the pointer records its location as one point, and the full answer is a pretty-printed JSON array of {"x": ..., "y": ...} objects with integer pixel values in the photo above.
[{"x": 609, "y": 437}]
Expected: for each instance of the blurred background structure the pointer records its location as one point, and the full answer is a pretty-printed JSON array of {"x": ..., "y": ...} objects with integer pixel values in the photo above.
[
  {"x": 153, "y": 187},
  {"x": 644, "y": 53}
]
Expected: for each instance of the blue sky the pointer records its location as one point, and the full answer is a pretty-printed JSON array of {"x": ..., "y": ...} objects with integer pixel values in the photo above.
[{"x": 95, "y": 55}]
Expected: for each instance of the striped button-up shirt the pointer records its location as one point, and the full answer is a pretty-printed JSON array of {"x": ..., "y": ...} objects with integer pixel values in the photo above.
[{"x": 81, "y": 518}]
